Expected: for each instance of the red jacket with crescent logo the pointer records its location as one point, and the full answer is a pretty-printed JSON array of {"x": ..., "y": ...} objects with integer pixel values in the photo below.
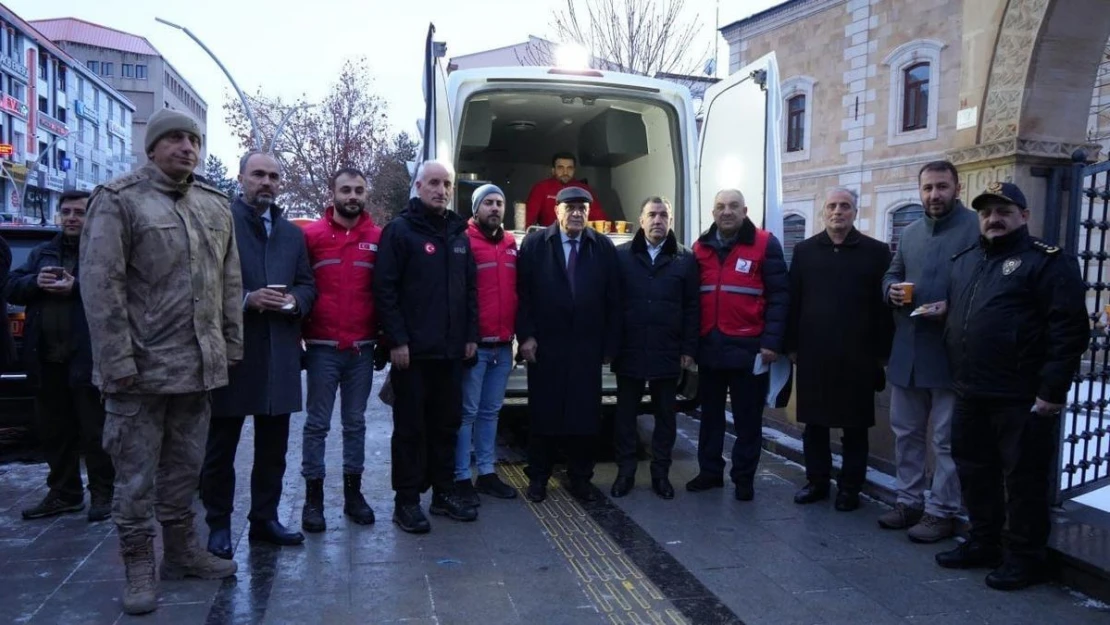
[
  {"x": 541, "y": 202},
  {"x": 495, "y": 259},
  {"x": 343, "y": 264},
  {"x": 732, "y": 298}
]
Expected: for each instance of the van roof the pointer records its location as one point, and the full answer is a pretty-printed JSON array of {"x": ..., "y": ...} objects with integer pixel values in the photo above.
[{"x": 560, "y": 75}]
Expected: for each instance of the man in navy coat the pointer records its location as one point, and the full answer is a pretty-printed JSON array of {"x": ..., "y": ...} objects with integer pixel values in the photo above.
[
  {"x": 568, "y": 325},
  {"x": 278, "y": 291}
]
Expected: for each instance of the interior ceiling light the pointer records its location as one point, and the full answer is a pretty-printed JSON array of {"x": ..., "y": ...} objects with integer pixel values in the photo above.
[{"x": 522, "y": 124}]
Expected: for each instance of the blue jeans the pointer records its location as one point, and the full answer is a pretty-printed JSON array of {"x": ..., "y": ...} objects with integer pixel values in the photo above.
[
  {"x": 482, "y": 394},
  {"x": 352, "y": 372}
]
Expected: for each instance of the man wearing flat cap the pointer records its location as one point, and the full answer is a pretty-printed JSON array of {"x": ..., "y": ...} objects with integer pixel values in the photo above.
[
  {"x": 1016, "y": 328},
  {"x": 568, "y": 325},
  {"x": 162, "y": 290}
]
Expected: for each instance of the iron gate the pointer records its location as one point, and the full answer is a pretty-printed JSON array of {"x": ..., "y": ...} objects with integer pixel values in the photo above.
[{"x": 1085, "y": 443}]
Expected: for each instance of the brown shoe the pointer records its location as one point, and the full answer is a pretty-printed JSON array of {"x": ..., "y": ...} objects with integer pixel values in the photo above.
[
  {"x": 184, "y": 557},
  {"x": 140, "y": 593},
  {"x": 932, "y": 529},
  {"x": 901, "y": 517}
]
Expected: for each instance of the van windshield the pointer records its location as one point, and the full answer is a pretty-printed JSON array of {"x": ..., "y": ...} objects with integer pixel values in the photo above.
[{"x": 624, "y": 149}]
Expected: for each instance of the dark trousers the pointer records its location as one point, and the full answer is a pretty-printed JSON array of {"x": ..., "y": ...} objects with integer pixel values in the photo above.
[
  {"x": 70, "y": 422},
  {"x": 1004, "y": 456},
  {"x": 542, "y": 450},
  {"x": 818, "y": 455},
  {"x": 271, "y": 439},
  {"x": 427, "y": 414},
  {"x": 630, "y": 392},
  {"x": 749, "y": 395}
]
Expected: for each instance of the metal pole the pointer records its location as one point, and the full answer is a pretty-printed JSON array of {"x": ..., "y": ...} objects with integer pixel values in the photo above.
[
  {"x": 242, "y": 98},
  {"x": 281, "y": 125}
]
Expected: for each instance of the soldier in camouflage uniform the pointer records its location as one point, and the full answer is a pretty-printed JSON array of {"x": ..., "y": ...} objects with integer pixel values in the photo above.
[{"x": 163, "y": 294}]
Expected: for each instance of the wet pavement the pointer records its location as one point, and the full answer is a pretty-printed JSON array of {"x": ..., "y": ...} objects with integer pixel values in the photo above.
[{"x": 700, "y": 558}]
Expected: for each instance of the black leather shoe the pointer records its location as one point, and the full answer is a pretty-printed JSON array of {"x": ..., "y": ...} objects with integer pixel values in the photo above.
[
  {"x": 846, "y": 501},
  {"x": 411, "y": 519},
  {"x": 705, "y": 481},
  {"x": 971, "y": 555},
  {"x": 219, "y": 542},
  {"x": 622, "y": 485},
  {"x": 275, "y": 533},
  {"x": 537, "y": 491},
  {"x": 451, "y": 506},
  {"x": 492, "y": 485},
  {"x": 745, "y": 491},
  {"x": 1015, "y": 575},
  {"x": 812, "y": 493},
  {"x": 662, "y": 486},
  {"x": 583, "y": 491}
]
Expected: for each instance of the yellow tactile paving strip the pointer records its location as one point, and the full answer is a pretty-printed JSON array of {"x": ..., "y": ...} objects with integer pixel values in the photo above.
[{"x": 616, "y": 586}]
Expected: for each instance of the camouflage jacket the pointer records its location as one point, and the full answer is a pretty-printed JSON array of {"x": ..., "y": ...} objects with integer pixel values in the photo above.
[{"x": 161, "y": 285}]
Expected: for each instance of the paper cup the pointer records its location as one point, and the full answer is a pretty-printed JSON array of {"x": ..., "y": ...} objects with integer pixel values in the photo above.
[{"x": 907, "y": 289}]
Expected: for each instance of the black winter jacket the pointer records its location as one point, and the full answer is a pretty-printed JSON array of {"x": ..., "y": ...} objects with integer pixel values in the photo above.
[
  {"x": 22, "y": 289},
  {"x": 425, "y": 289},
  {"x": 1017, "y": 320},
  {"x": 660, "y": 307}
]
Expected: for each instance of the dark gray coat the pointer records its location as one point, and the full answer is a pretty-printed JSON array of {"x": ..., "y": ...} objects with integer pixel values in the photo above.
[
  {"x": 660, "y": 305},
  {"x": 924, "y": 256},
  {"x": 573, "y": 333},
  {"x": 268, "y": 381}
]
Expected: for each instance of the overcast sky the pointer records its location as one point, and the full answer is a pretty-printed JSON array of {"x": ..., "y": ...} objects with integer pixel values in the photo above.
[{"x": 293, "y": 48}]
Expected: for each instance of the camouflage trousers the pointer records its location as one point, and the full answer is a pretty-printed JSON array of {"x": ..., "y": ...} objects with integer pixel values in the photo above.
[{"x": 157, "y": 446}]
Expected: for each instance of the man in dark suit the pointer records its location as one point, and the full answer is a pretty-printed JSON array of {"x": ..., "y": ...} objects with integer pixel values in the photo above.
[
  {"x": 659, "y": 281},
  {"x": 278, "y": 290},
  {"x": 568, "y": 325}
]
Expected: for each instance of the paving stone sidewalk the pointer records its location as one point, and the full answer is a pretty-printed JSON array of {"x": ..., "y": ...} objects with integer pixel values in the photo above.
[{"x": 701, "y": 558}]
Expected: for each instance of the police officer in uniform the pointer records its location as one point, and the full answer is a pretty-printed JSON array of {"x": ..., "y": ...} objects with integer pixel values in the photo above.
[{"x": 1017, "y": 326}]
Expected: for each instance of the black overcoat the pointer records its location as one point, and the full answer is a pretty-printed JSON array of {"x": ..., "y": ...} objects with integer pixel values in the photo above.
[
  {"x": 268, "y": 381},
  {"x": 574, "y": 334},
  {"x": 839, "y": 328}
]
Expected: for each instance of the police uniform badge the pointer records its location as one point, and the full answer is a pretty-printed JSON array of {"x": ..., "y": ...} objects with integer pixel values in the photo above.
[
  {"x": 994, "y": 187},
  {"x": 1010, "y": 266}
]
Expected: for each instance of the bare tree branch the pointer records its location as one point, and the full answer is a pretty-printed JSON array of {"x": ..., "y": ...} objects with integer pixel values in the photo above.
[{"x": 645, "y": 37}]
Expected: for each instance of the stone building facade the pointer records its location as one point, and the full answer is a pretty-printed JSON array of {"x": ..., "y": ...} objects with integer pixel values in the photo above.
[{"x": 873, "y": 89}]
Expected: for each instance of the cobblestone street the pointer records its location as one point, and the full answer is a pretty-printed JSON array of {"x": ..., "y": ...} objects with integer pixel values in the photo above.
[{"x": 702, "y": 558}]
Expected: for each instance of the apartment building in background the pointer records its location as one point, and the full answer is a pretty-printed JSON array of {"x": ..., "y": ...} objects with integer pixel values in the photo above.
[
  {"x": 61, "y": 126},
  {"x": 135, "y": 68}
]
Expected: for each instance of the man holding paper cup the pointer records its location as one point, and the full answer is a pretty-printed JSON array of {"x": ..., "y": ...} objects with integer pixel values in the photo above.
[
  {"x": 921, "y": 386},
  {"x": 267, "y": 385}
]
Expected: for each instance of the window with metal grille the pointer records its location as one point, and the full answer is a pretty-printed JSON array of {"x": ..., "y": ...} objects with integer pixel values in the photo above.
[
  {"x": 796, "y": 123},
  {"x": 915, "y": 98},
  {"x": 901, "y": 218},
  {"x": 793, "y": 233}
]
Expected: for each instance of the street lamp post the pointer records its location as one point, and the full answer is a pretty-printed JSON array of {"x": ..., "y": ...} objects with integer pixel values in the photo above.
[
  {"x": 242, "y": 98},
  {"x": 281, "y": 124}
]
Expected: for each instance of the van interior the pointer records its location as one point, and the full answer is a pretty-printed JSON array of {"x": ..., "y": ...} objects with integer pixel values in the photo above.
[{"x": 627, "y": 148}]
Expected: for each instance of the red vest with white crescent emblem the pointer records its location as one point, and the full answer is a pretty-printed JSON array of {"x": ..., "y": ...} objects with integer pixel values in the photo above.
[
  {"x": 732, "y": 298},
  {"x": 497, "y": 299}
]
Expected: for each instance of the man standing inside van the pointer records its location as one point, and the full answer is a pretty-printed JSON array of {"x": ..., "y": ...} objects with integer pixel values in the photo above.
[
  {"x": 541, "y": 201},
  {"x": 745, "y": 296}
]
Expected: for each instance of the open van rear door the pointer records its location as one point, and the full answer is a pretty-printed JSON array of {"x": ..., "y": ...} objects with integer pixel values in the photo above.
[
  {"x": 437, "y": 137},
  {"x": 740, "y": 144}
]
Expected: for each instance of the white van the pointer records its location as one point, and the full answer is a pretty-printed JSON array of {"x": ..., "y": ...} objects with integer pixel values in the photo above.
[{"x": 633, "y": 136}]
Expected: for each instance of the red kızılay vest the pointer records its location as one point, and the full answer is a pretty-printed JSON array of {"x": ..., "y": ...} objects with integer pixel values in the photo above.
[
  {"x": 343, "y": 265},
  {"x": 496, "y": 270},
  {"x": 732, "y": 298}
]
